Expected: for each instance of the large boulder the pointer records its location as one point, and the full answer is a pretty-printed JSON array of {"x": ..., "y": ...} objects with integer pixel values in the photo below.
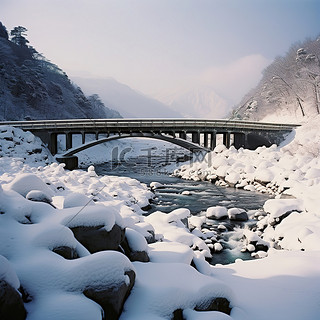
[
  {"x": 66, "y": 252},
  {"x": 135, "y": 246},
  {"x": 26, "y": 182},
  {"x": 11, "y": 304},
  {"x": 216, "y": 304},
  {"x": 238, "y": 214},
  {"x": 217, "y": 213},
  {"x": 111, "y": 299},
  {"x": 97, "y": 238}
]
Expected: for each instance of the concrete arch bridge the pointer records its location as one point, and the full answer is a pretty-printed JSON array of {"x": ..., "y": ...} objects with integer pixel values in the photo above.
[{"x": 192, "y": 134}]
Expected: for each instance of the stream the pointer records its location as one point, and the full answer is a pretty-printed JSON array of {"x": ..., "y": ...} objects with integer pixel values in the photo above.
[{"x": 200, "y": 195}]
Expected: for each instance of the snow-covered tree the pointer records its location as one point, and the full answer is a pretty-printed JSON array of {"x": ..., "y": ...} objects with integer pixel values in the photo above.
[
  {"x": 18, "y": 36},
  {"x": 290, "y": 86}
]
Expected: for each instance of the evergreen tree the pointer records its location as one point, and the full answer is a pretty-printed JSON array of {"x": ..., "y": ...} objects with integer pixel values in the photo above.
[{"x": 18, "y": 36}]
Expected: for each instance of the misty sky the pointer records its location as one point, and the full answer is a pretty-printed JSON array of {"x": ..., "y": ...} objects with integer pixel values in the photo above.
[{"x": 159, "y": 46}]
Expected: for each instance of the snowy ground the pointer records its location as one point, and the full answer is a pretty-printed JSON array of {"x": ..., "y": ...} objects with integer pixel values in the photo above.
[{"x": 283, "y": 285}]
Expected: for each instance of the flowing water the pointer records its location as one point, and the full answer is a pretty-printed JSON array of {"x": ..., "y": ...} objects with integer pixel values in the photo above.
[{"x": 201, "y": 195}]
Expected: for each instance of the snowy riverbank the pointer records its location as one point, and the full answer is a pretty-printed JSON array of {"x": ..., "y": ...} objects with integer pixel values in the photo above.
[{"x": 62, "y": 274}]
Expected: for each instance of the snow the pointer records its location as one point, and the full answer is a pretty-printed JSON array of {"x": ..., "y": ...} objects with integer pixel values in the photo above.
[
  {"x": 167, "y": 251},
  {"x": 8, "y": 274},
  {"x": 161, "y": 288},
  {"x": 156, "y": 185},
  {"x": 217, "y": 212},
  {"x": 278, "y": 207},
  {"x": 136, "y": 240},
  {"x": 280, "y": 284}
]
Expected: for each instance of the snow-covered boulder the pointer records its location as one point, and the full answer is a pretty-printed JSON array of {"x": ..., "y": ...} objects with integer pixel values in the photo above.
[
  {"x": 278, "y": 209},
  {"x": 11, "y": 304},
  {"x": 217, "y": 212},
  {"x": 39, "y": 196},
  {"x": 237, "y": 214},
  {"x": 76, "y": 199},
  {"x": 26, "y": 182},
  {"x": 170, "y": 252},
  {"x": 161, "y": 289},
  {"x": 135, "y": 246},
  {"x": 156, "y": 185},
  {"x": 253, "y": 242},
  {"x": 97, "y": 238}
]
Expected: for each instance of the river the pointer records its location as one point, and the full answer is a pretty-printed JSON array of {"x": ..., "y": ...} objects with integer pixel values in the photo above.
[{"x": 200, "y": 195}]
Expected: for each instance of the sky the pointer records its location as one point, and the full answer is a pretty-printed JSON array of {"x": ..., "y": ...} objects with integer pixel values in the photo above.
[{"x": 160, "y": 47}]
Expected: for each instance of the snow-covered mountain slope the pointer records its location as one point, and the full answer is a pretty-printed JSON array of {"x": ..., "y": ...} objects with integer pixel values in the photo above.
[
  {"x": 31, "y": 87},
  {"x": 130, "y": 103},
  {"x": 289, "y": 88},
  {"x": 199, "y": 102}
]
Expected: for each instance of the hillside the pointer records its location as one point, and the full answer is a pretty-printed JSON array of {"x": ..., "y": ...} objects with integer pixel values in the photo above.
[
  {"x": 31, "y": 87},
  {"x": 130, "y": 103},
  {"x": 289, "y": 88}
]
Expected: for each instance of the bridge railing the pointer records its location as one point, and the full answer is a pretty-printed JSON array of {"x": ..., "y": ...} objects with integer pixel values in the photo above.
[{"x": 145, "y": 123}]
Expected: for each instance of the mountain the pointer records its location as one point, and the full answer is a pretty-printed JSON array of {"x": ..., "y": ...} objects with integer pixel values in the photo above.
[
  {"x": 130, "y": 103},
  {"x": 31, "y": 87},
  {"x": 289, "y": 88},
  {"x": 199, "y": 102}
]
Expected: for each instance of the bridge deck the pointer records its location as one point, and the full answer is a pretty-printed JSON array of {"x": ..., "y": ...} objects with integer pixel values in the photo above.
[{"x": 182, "y": 124}]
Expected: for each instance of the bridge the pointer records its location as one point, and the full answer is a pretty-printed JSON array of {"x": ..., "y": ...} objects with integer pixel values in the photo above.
[{"x": 192, "y": 134}]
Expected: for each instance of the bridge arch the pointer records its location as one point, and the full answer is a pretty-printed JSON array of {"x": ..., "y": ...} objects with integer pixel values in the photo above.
[{"x": 192, "y": 147}]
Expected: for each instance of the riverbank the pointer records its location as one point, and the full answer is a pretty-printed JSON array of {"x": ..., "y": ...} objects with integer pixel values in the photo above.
[{"x": 280, "y": 285}]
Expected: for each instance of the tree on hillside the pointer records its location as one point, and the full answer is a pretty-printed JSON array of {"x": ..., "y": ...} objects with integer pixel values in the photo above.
[
  {"x": 290, "y": 86},
  {"x": 18, "y": 36},
  {"x": 309, "y": 71},
  {"x": 3, "y": 32}
]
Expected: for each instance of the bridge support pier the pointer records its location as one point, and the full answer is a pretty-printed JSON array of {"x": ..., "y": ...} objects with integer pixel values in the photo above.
[
  {"x": 226, "y": 139},
  {"x": 196, "y": 137},
  {"x": 68, "y": 140},
  {"x": 205, "y": 139},
  {"x": 53, "y": 143},
  {"x": 239, "y": 140},
  {"x": 71, "y": 162},
  {"x": 213, "y": 141},
  {"x": 183, "y": 135}
]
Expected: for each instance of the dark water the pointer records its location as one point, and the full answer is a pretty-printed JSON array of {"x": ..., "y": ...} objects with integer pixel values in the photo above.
[{"x": 201, "y": 196}]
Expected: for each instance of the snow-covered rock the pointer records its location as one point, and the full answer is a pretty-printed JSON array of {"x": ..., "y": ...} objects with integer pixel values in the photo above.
[
  {"x": 217, "y": 212},
  {"x": 237, "y": 214}
]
